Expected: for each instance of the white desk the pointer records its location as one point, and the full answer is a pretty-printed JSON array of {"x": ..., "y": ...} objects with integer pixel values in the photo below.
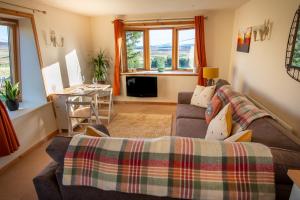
[{"x": 81, "y": 91}]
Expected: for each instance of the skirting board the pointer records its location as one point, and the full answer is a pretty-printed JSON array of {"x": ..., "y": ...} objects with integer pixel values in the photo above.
[
  {"x": 11, "y": 163},
  {"x": 145, "y": 102}
]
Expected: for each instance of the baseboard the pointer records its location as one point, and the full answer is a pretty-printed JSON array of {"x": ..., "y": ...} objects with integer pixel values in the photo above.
[
  {"x": 14, "y": 161},
  {"x": 144, "y": 102}
]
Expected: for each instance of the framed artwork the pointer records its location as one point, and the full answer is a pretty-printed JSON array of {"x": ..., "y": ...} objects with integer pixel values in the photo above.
[{"x": 244, "y": 39}]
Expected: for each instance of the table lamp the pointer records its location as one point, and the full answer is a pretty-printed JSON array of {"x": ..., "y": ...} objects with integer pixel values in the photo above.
[{"x": 210, "y": 73}]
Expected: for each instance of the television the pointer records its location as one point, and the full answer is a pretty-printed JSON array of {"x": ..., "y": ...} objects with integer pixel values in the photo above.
[{"x": 141, "y": 86}]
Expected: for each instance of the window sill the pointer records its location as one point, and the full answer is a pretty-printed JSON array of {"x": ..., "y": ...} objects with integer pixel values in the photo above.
[
  {"x": 24, "y": 108},
  {"x": 165, "y": 73}
]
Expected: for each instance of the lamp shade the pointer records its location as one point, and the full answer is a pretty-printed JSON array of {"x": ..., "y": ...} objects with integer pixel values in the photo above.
[{"x": 210, "y": 72}]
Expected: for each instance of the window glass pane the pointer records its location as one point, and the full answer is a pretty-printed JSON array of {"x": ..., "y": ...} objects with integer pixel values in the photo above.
[
  {"x": 5, "y": 72},
  {"x": 135, "y": 49},
  {"x": 186, "y": 45},
  {"x": 161, "y": 48}
]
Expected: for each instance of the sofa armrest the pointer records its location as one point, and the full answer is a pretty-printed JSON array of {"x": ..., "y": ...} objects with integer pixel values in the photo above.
[
  {"x": 284, "y": 160},
  {"x": 185, "y": 97},
  {"x": 46, "y": 184}
]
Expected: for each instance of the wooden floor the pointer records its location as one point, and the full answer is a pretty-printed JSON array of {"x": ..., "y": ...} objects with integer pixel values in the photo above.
[{"x": 16, "y": 182}]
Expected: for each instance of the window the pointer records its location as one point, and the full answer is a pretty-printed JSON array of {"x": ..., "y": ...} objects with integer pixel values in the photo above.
[
  {"x": 5, "y": 63},
  {"x": 161, "y": 48},
  {"x": 150, "y": 47},
  {"x": 186, "y": 45},
  {"x": 135, "y": 49},
  {"x": 8, "y": 52}
]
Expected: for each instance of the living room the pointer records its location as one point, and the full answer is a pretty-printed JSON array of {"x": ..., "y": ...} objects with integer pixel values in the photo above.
[{"x": 158, "y": 77}]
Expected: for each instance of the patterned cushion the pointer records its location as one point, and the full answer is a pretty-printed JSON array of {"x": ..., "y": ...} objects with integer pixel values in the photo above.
[
  {"x": 213, "y": 108},
  {"x": 220, "y": 127},
  {"x": 202, "y": 96},
  {"x": 244, "y": 136}
]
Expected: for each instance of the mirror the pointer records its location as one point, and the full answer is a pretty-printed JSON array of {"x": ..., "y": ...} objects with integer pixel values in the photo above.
[{"x": 292, "y": 61}]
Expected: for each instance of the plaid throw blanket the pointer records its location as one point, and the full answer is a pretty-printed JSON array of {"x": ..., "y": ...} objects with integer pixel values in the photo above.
[
  {"x": 244, "y": 111},
  {"x": 185, "y": 168}
]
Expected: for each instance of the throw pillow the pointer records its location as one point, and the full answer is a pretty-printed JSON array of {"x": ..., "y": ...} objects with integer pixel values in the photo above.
[
  {"x": 213, "y": 108},
  {"x": 220, "y": 127},
  {"x": 243, "y": 136},
  {"x": 91, "y": 131},
  {"x": 202, "y": 96}
]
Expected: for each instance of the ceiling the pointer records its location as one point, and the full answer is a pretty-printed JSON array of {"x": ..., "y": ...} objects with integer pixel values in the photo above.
[{"x": 125, "y": 7}]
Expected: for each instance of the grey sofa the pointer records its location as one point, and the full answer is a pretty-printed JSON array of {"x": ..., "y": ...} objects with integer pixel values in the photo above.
[
  {"x": 190, "y": 122},
  {"x": 285, "y": 148}
]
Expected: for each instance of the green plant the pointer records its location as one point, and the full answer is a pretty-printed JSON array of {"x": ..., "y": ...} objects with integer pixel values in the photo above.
[
  {"x": 134, "y": 57},
  {"x": 101, "y": 64},
  {"x": 10, "y": 92}
]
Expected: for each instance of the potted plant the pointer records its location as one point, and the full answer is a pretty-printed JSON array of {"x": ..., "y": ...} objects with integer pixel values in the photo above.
[
  {"x": 101, "y": 65},
  {"x": 10, "y": 94},
  {"x": 160, "y": 64}
]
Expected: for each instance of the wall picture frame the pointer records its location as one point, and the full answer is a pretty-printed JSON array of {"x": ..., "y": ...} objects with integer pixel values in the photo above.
[{"x": 244, "y": 40}]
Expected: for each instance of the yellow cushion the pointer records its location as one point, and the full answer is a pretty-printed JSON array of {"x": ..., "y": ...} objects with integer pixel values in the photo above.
[
  {"x": 243, "y": 136},
  {"x": 220, "y": 127},
  {"x": 91, "y": 131}
]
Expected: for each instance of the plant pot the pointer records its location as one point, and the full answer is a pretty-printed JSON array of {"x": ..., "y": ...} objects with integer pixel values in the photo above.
[
  {"x": 101, "y": 82},
  {"x": 161, "y": 69},
  {"x": 12, "y": 105}
]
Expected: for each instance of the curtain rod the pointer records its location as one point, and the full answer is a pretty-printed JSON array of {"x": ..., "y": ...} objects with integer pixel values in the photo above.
[
  {"x": 24, "y": 7},
  {"x": 159, "y": 20}
]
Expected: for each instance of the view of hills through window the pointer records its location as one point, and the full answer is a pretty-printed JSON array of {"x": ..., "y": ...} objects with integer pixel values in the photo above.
[
  {"x": 5, "y": 72},
  {"x": 161, "y": 48},
  {"x": 186, "y": 46},
  {"x": 160, "y": 43}
]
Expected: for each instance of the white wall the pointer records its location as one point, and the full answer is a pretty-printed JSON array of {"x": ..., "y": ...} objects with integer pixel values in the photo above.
[
  {"x": 218, "y": 31},
  {"x": 76, "y": 31},
  {"x": 39, "y": 122},
  {"x": 261, "y": 72},
  {"x": 31, "y": 78},
  {"x": 31, "y": 128}
]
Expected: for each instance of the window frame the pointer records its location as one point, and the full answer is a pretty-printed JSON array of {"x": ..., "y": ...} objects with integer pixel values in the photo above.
[
  {"x": 177, "y": 56},
  {"x": 146, "y": 27},
  {"x": 14, "y": 50}
]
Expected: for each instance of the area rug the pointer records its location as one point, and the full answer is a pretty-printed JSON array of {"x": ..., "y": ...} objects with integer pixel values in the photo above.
[{"x": 139, "y": 125}]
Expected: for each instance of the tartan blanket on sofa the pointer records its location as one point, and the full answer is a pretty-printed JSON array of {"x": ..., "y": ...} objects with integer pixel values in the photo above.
[
  {"x": 177, "y": 167},
  {"x": 243, "y": 111}
]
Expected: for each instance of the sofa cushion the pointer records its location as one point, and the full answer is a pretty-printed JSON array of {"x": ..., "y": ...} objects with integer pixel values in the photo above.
[
  {"x": 243, "y": 136},
  {"x": 185, "y": 97},
  {"x": 195, "y": 128},
  {"x": 202, "y": 96},
  {"x": 220, "y": 127},
  {"x": 213, "y": 108},
  {"x": 269, "y": 132},
  {"x": 190, "y": 111},
  {"x": 220, "y": 83}
]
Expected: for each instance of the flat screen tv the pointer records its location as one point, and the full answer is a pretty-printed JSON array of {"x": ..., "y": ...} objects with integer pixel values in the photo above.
[{"x": 141, "y": 86}]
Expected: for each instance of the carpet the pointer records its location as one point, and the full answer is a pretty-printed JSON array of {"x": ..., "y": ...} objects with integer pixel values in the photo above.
[{"x": 139, "y": 125}]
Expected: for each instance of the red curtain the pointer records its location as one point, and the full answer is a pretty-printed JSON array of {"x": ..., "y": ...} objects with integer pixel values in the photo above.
[
  {"x": 200, "y": 48},
  {"x": 119, "y": 32},
  {"x": 8, "y": 139}
]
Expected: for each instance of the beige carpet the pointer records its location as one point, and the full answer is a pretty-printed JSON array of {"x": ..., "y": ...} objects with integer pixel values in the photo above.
[{"x": 139, "y": 125}]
